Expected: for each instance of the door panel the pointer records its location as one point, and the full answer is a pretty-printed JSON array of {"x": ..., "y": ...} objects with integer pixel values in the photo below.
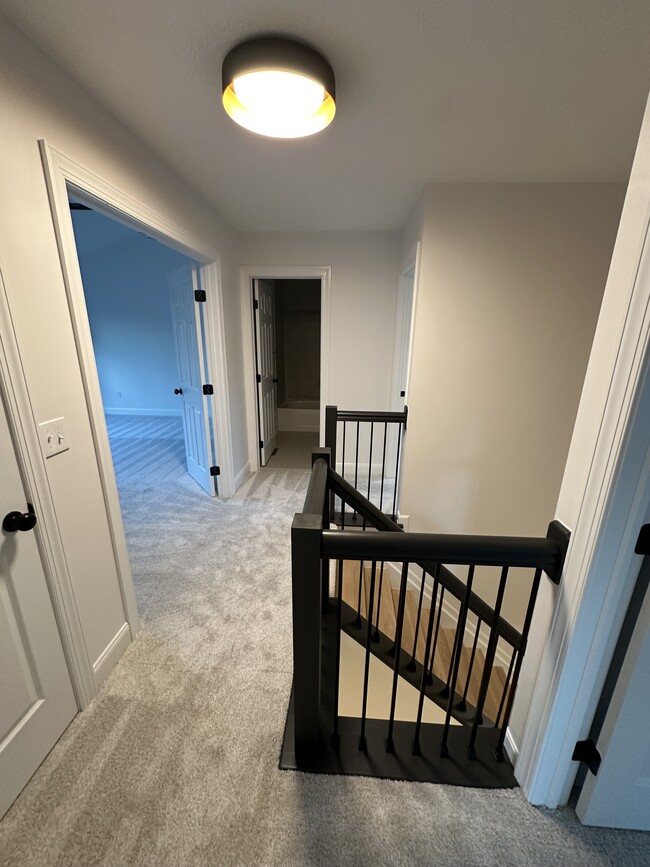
[
  {"x": 36, "y": 697},
  {"x": 619, "y": 795},
  {"x": 191, "y": 377},
  {"x": 267, "y": 401}
]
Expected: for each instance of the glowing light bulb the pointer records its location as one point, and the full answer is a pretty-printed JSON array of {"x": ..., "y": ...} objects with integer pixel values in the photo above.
[{"x": 282, "y": 96}]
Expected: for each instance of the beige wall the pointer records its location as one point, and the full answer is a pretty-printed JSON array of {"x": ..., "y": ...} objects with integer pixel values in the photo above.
[
  {"x": 510, "y": 287},
  {"x": 39, "y": 101},
  {"x": 365, "y": 268}
]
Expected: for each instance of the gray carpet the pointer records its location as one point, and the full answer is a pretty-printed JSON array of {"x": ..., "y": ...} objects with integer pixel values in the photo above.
[{"x": 176, "y": 761}]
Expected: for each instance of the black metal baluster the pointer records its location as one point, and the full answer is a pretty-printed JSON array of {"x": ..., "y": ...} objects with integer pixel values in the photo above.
[
  {"x": 435, "y": 640},
  {"x": 390, "y": 746},
  {"x": 399, "y": 445},
  {"x": 470, "y": 749},
  {"x": 372, "y": 430},
  {"x": 383, "y": 467},
  {"x": 366, "y": 669},
  {"x": 375, "y": 636},
  {"x": 411, "y": 664},
  {"x": 498, "y": 750},
  {"x": 444, "y": 693},
  {"x": 462, "y": 704},
  {"x": 356, "y": 471},
  {"x": 337, "y": 663},
  {"x": 357, "y": 620},
  {"x": 427, "y": 648},
  {"x": 444, "y": 751},
  {"x": 505, "y": 688},
  {"x": 343, "y": 476}
]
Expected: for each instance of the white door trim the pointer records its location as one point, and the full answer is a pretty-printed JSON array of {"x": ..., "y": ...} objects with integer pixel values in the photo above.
[
  {"x": 24, "y": 427},
  {"x": 410, "y": 265},
  {"x": 288, "y": 272},
  {"x": 63, "y": 174},
  {"x": 605, "y": 494}
]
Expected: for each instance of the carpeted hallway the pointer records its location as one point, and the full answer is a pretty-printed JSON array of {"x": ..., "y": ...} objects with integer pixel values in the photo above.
[{"x": 176, "y": 761}]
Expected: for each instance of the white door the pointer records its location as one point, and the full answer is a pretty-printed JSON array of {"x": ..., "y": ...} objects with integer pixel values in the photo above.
[
  {"x": 36, "y": 698},
  {"x": 403, "y": 339},
  {"x": 619, "y": 795},
  {"x": 267, "y": 401},
  {"x": 188, "y": 337}
]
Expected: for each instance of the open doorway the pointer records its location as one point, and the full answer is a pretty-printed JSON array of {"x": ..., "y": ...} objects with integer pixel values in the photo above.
[
  {"x": 287, "y": 332},
  {"x": 146, "y": 323}
]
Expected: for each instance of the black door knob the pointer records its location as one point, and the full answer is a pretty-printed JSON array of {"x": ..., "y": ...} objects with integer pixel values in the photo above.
[
  {"x": 276, "y": 380},
  {"x": 20, "y": 521},
  {"x": 178, "y": 391}
]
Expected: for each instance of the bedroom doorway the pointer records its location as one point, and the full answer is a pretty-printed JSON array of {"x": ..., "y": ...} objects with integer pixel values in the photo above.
[{"x": 149, "y": 344}]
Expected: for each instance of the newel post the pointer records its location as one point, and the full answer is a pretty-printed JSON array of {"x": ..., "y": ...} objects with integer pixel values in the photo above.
[
  {"x": 307, "y": 582},
  {"x": 306, "y": 532}
]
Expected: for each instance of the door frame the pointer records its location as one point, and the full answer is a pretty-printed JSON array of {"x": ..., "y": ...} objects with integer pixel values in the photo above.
[
  {"x": 411, "y": 264},
  {"x": 603, "y": 499},
  {"x": 248, "y": 273},
  {"x": 63, "y": 175}
]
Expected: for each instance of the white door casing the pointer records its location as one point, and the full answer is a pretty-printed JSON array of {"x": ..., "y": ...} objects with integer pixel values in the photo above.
[
  {"x": 267, "y": 399},
  {"x": 36, "y": 697},
  {"x": 619, "y": 795},
  {"x": 604, "y": 495},
  {"x": 285, "y": 272},
  {"x": 188, "y": 339},
  {"x": 404, "y": 329}
]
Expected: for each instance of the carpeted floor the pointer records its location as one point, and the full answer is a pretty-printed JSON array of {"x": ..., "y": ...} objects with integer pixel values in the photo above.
[{"x": 176, "y": 761}]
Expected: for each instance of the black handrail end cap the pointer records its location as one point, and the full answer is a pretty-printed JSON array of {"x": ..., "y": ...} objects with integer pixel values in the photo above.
[
  {"x": 561, "y": 535},
  {"x": 324, "y": 453}
]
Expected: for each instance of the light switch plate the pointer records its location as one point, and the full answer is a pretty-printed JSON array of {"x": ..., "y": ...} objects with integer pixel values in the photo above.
[{"x": 53, "y": 436}]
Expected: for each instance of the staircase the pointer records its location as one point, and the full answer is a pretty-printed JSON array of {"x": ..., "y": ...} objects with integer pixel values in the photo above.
[
  {"x": 407, "y": 600},
  {"x": 414, "y": 631}
]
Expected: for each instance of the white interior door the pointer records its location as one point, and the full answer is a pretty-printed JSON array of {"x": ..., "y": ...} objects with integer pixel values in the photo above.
[
  {"x": 267, "y": 400},
  {"x": 403, "y": 339},
  {"x": 36, "y": 698},
  {"x": 188, "y": 338},
  {"x": 619, "y": 795}
]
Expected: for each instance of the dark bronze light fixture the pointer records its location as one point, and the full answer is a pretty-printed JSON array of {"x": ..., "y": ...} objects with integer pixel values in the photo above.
[{"x": 278, "y": 87}]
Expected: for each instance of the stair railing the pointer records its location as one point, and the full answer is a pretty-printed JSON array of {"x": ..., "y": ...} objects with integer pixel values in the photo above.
[
  {"x": 367, "y": 449},
  {"x": 320, "y": 614}
]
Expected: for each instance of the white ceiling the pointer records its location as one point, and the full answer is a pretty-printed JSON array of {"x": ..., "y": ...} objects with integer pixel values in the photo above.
[{"x": 427, "y": 90}]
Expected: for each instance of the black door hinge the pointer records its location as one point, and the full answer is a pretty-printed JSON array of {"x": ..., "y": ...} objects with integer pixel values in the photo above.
[
  {"x": 585, "y": 751},
  {"x": 259, "y": 377},
  {"x": 215, "y": 471},
  {"x": 261, "y": 444},
  {"x": 256, "y": 304},
  {"x": 208, "y": 389},
  {"x": 199, "y": 295},
  {"x": 643, "y": 542}
]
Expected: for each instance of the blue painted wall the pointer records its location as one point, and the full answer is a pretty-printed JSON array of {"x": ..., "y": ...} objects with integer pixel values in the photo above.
[{"x": 125, "y": 277}]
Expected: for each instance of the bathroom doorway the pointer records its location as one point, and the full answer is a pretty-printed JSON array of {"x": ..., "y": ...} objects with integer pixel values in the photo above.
[{"x": 287, "y": 321}]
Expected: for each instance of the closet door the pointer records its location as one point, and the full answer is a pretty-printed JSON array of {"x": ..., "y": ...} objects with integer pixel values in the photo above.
[{"x": 36, "y": 698}]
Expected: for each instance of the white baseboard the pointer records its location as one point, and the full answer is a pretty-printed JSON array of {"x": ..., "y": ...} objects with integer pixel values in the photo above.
[
  {"x": 511, "y": 748},
  {"x": 115, "y": 410},
  {"x": 450, "y": 611},
  {"x": 241, "y": 476},
  {"x": 111, "y": 654},
  {"x": 362, "y": 469}
]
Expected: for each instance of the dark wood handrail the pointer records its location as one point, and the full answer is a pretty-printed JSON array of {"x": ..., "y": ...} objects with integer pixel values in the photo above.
[
  {"x": 547, "y": 554},
  {"x": 365, "y": 415}
]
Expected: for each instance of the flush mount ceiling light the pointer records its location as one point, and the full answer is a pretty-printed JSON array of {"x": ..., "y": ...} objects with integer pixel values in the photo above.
[{"x": 278, "y": 87}]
